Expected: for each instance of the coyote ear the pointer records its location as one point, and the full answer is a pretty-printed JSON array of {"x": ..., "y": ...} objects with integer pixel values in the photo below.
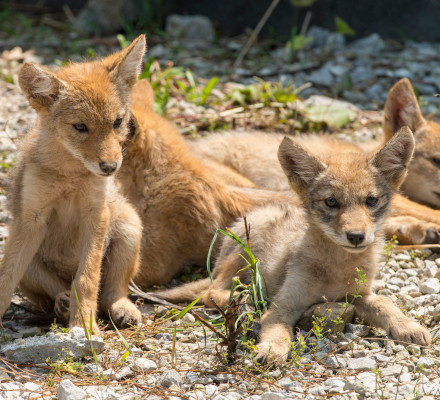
[
  {"x": 298, "y": 164},
  {"x": 393, "y": 158},
  {"x": 124, "y": 66},
  {"x": 40, "y": 86},
  {"x": 401, "y": 109}
]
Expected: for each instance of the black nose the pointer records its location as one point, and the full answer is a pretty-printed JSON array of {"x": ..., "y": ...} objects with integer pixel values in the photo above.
[
  {"x": 355, "y": 238},
  {"x": 108, "y": 167}
]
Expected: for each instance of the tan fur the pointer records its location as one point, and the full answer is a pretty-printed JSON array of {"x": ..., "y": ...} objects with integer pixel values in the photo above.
[
  {"x": 253, "y": 155},
  {"x": 69, "y": 221},
  {"x": 423, "y": 180},
  {"x": 180, "y": 202},
  {"x": 305, "y": 253}
]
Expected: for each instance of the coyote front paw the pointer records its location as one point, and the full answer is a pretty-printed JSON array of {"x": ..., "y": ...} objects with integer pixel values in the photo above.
[
  {"x": 62, "y": 306},
  {"x": 124, "y": 313},
  {"x": 410, "y": 332},
  {"x": 273, "y": 352},
  {"x": 76, "y": 320}
]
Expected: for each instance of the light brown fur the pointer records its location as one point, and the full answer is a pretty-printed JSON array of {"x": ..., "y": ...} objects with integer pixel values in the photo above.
[
  {"x": 306, "y": 254},
  {"x": 70, "y": 224},
  {"x": 253, "y": 155},
  {"x": 180, "y": 202}
]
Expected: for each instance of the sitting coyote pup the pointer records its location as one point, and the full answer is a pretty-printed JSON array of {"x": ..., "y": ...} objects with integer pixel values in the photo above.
[
  {"x": 313, "y": 253},
  {"x": 69, "y": 221}
]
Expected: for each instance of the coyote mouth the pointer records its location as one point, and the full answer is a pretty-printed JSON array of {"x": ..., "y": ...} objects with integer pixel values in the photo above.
[{"x": 355, "y": 249}]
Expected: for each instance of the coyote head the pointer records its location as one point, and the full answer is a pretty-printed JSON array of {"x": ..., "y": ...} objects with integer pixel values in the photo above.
[
  {"x": 401, "y": 109},
  {"x": 348, "y": 195},
  {"x": 85, "y": 106}
]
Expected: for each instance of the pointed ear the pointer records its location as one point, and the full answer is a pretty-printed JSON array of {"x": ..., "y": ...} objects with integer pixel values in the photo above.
[
  {"x": 393, "y": 158},
  {"x": 124, "y": 66},
  {"x": 401, "y": 109},
  {"x": 40, "y": 86},
  {"x": 298, "y": 164}
]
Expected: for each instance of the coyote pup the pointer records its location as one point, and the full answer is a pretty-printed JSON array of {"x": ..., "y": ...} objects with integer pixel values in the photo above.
[
  {"x": 69, "y": 221},
  {"x": 313, "y": 253}
]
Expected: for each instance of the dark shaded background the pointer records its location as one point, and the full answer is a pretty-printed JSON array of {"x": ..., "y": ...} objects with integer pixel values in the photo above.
[{"x": 397, "y": 19}]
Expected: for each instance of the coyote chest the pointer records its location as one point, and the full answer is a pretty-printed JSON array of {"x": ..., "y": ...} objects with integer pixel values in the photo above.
[{"x": 62, "y": 246}]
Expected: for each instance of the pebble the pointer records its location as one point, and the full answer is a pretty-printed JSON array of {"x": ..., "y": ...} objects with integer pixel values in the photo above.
[
  {"x": 361, "y": 363},
  {"x": 66, "y": 390},
  {"x": 430, "y": 286}
]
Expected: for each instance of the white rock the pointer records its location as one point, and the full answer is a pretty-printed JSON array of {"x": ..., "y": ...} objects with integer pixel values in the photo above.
[
  {"x": 426, "y": 362},
  {"x": 361, "y": 364},
  {"x": 66, "y": 390},
  {"x": 430, "y": 286},
  {"x": 9, "y": 391},
  {"x": 272, "y": 396},
  {"x": 145, "y": 364},
  {"x": 38, "y": 349}
]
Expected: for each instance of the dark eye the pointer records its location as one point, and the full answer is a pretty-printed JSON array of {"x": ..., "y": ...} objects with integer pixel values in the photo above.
[
  {"x": 436, "y": 162},
  {"x": 331, "y": 202},
  {"x": 371, "y": 201},
  {"x": 117, "y": 123},
  {"x": 80, "y": 127}
]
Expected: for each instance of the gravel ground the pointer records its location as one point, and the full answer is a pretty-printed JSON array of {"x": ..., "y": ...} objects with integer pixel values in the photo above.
[{"x": 182, "y": 359}]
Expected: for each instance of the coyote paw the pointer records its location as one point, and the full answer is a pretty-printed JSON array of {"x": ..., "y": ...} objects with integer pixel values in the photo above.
[
  {"x": 62, "y": 306},
  {"x": 76, "y": 320},
  {"x": 411, "y": 332},
  {"x": 419, "y": 232},
  {"x": 125, "y": 314},
  {"x": 272, "y": 352}
]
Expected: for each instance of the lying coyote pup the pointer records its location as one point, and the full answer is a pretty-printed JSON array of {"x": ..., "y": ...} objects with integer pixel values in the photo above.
[
  {"x": 69, "y": 221},
  {"x": 313, "y": 253},
  {"x": 253, "y": 155}
]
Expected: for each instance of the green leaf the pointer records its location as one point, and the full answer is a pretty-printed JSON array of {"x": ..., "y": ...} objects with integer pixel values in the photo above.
[
  {"x": 343, "y": 28},
  {"x": 188, "y": 307}
]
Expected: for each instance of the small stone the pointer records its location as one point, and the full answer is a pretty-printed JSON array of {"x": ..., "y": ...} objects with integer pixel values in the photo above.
[
  {"x": 272, "y": 396},
  {"x": 123, "y": 373},
  {"x": 425, "y": 362},
  {"x": 430, "y": 286},
  {"x": 356, "y": 329},
  {"x": 145, "y": 364},
  {"x": 160, "y": 311},
  {"x": 414, "y": 349},
  {"x": 361, "y": 364},
  {"x": 192, "y": 27},
  {"x": 169, "y": 378},
  {"x": 66, "y": 390},
  {"x": 188, "y": 318}
]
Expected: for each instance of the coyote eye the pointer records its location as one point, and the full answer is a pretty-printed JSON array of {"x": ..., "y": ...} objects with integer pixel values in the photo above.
[
  {"x": 436, "y": 162},
  {"x": 331, "y": 202},
  {"x": 371, "y": 201},
  {"x": 80, "y": 127},
  {"x": 117, "y": 123}
]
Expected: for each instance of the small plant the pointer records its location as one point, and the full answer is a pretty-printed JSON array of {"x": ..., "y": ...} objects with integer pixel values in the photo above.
[
  {"x": 238, "y": 319},
  {"x": 343, "y": 28},
  {"x": 296, "y": 43},
  {"x": 263, "y": 92},
  {"x": 175, "y": 81}
]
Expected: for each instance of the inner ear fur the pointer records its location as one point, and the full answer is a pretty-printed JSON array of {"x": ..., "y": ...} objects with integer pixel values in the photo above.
[
  {"x": 401, "y": 109},
  {"x": 393, "y": 158},
  {"x": 298, "y": 164},
  {"x": 124, "y": 66},
  {"x": 40, "y": 86}
]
